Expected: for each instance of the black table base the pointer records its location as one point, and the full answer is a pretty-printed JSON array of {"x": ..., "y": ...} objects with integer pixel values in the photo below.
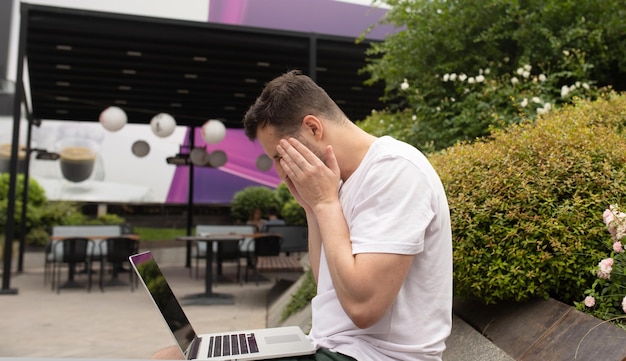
[{"x": 208, "y": 299}]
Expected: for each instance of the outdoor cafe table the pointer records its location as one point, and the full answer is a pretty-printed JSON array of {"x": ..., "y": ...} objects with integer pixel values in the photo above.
[
  {"x": 71, "y": 282},
  {"x": 208, "y": 297}
]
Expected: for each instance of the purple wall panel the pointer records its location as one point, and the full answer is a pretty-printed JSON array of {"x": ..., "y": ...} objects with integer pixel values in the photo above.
[
  {"x": 219, "y": 185},
  {"x": 318, "y": 16}
]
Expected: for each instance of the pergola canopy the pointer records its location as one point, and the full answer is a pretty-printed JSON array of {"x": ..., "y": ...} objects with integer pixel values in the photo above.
[{"x": 80, "y": 62}]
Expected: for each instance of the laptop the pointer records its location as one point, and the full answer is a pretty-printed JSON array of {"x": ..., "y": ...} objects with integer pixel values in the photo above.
[{"x": 254, "y": 344}]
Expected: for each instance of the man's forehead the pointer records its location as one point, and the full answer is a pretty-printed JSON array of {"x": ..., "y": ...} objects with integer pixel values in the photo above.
[{"x": 268, "y": 137}]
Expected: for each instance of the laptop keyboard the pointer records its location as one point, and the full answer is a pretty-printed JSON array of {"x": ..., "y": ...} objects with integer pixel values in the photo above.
[{"x": 233, "y": 344}]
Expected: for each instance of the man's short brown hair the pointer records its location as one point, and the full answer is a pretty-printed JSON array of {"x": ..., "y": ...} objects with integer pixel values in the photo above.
[{"x": 285, "y": 101}]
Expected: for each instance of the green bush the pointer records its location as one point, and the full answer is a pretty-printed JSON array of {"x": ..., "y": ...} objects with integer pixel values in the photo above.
[
  {"x": 41, "y": 214},
  {"x": 293, "y": 213},
  {"x": 525, "y": 203},
  {"x": 35, "y": 208},
  {"x": 246, "y": 200}
]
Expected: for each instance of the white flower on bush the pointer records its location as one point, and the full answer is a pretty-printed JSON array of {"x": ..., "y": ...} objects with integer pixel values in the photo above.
[
  {"x": 542, "y": 77},
  {"x": 404, "y": 85},
  {"x": 564, "y": 91},
  {"x": 453, "y": 77},
  {"x": 526, "y": 74},
  {"x": 480, "y": 78},
  {"x": 524, "y": 102},
  {"x": 545, "y": 109},
  {"x": 446, "y": 77},
  {"x": 462, "y": 77},
  {"x": 617, "y": 247},
  {"x": 528, "y": 67},
  {"x": 519, "y": 71},
  {"x": 624, "y": 304},
  {"x": 586, "y": 86},
  {"x": 471, "y": 80},
  {"x": 536, "y": 100},
  {"x": 604, "y": 268},
  {"x": 590, "y": 301},
  {"x": 514, "y": 80}
]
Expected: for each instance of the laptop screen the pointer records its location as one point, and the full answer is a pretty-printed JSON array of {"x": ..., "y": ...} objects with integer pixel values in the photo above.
[{"x": 164, "y": 298}]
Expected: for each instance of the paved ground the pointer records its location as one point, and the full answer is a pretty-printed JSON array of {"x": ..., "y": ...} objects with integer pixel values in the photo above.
[{"x": 120, "y": 324}]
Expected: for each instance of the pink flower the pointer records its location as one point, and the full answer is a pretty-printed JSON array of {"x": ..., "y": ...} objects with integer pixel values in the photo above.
[
  {"x": 617, "y": 247},
  {"x": 590, "y": 301},
  {"x": 624, "y": 304},
  {"x": 608, "y": 216},
  {"x": 604, "y": 268}
]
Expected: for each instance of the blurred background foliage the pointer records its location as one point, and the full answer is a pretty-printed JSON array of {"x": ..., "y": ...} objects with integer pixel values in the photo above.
[{"x": 455, "y": 70}]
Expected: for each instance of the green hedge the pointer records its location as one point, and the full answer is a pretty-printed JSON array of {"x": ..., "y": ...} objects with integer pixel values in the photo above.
[{"x": 526, "y": 204}]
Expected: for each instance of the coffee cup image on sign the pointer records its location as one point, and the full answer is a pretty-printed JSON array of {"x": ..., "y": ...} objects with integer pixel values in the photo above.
[{"x": 77, "y": 162}]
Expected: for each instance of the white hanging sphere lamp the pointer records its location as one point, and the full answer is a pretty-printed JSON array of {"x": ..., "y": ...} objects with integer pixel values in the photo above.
[
  {"x": 264, "y": 163},
  {"x": 213, "y": 131},
  {"x": 163, "y": 125},
  {"x": 113, "y": 118}
]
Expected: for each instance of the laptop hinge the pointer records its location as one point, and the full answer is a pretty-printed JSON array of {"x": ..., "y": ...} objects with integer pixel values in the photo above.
[{"x": 192, "y": 350}]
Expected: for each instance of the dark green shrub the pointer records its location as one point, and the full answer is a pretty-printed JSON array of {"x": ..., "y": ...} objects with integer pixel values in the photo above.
[
  {"x": 290, "y": 210},
  {"x": 247, "y": 199},
  {"x": 282, "y": 194},
  {"x": 35, "y": 206},
  {"x": 41, "y": 214},
  {"x": 526, "y": 203},
  {"x": 293, "y": 213}
]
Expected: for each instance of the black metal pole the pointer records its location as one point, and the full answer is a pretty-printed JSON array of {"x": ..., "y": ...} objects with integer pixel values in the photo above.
[
  {"x": 192, "y": 142},
  {"x": 25, "y": 188},
  {"x": 17, "y": 100}
]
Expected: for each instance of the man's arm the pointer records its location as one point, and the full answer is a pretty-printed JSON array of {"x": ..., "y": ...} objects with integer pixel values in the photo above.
[{"x": 366, "y": 284}]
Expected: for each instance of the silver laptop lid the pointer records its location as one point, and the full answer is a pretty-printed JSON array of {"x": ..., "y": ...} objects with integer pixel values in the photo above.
[{"x": 154, "y": 281}]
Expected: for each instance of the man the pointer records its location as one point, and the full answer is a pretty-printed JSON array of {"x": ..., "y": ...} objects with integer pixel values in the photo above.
[
  {"x": 273, "y": 219},
  {"x": 380, "y": 241}
]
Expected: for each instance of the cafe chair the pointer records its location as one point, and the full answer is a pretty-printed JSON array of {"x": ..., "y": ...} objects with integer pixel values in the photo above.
[
  {"x": 70, "y": 251},
  {"x": 229, "y": 252},
  {"x": 115, "y": 252},
  {"x": 226, "y": 251},
  {"x": 48, "y": 262},
  {"x": 198, "y": 252},
  {"x": 264, "y": 246}
]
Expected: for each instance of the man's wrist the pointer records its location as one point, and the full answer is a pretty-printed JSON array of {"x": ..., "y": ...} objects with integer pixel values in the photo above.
[{"x": 325, "y": 208}]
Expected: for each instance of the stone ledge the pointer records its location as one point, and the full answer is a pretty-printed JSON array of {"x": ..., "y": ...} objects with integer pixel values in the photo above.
[{"x": 544, "y": 330}]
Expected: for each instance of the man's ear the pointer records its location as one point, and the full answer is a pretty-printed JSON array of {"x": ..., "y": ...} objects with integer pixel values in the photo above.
[{"x": 312, "y": 126}]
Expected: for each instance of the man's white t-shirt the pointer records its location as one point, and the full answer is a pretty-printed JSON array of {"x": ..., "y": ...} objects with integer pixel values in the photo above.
[{"x": 394, "y": 203}]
